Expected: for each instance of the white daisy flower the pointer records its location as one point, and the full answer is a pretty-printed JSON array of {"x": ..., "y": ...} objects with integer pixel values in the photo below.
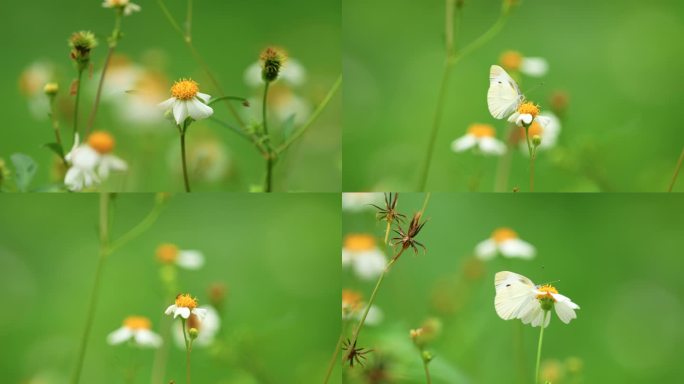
[
  {"x": 188, "y": 259},
  {"x": 506, "y": 242},
  {"x": 547, "y": 297},
  {"x": 187, "y": 101},
  {"x": 353, "y": 307},
  {"x": 292, "y": 72},
  {"x": 207, "y": 328},
  {"x": 103, "y": 143},
  {"x": 82, "y": 160},
  {"x": 185, "y": 306},
  {"x": 358, "y": 201},
  {"x": 481, "y": 136},
  {"x": 137, "y": 329},
  {"x": 530, "y": 66},
  {"x": 31, "y": 82},
  {"x": 127, "y": 6},
  {"x": 365, "y": 258},
  {"x": 547, "y": 126}
]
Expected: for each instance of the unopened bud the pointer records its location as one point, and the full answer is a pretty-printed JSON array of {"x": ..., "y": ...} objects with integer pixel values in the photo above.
[
  {"x": 193, "y": 333},
  {"x": 51, "y": 89},
  {"x": 272, "y": 61},
  {"x": 536, "y": 140}
]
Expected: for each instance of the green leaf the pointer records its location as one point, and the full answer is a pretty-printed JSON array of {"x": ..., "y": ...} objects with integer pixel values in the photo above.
[
  {"x": 288, "y": 127},
  {"x": 56, "y": 148},
  {"x": 25, "y": 169}
]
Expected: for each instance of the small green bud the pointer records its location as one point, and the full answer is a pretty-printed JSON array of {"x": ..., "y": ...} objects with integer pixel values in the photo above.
[
  {"x": 536, "y": 140},
  {"x": 193, "y": 333},
  {"x": 272, "y": 61},
  {"x": 51, "y": 89},
  {"x": 546, "y": 304},
  {"x": 427, "y": 356}
]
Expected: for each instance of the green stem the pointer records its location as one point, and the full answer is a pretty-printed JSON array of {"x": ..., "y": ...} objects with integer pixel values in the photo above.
[
  {"x": 357, "y": 330},
  {"x": 55, "y": 127},
  {"x": 235, "y": 98},
  {"x": 78, "y": 97},
  {"x": 532, "y": 155},
  {"x": 187, "y": 352},
  {"x": 539, "y": 346},
  {"x": 427, "y": 371},
  {"x": 268, "y": 187},
  {"x": 387, "y": 231},
  {"x": 113, "y": 41},
  {"x": 186, "y": 180},
  {"x": 140, "y": 228},
  {"x": 676, "y": 172},
  {"x": 104, "y": 243},
  {"x": 263, "y": 109},
  {"x": 234, "y": 129},
  {"x": 331, "y": 364},
  {"x": 313, "y": 117}
]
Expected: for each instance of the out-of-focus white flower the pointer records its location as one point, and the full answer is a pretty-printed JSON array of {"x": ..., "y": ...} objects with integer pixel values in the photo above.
[
  {"x": 187, "y": 101},
  {"x": 547, "y": 126},
  {"x": 31, "y": 83},
  {"x": 530, "y": 66},
  {"x": 207, "y": 328},
  {"x": 353, "y": 307},
  {"x": 184, "y": 306},
  {"x": 282, "y": 104},
  {"x": 362, "y": 254},
  {"x": 481, "y": 136},
  {"x": 126, "y": 5},
  {"x": 506, "y": 242},
  {"x": 292, "y": 73},
  {"x": 358, "y": 201},
  {"x": 189, "y": 259},
  {"x": 136, "y": 329}
]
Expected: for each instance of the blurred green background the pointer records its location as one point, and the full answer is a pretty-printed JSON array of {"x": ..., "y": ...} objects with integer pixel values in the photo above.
[
  {"x": 616, "y": 256},
  {"x": 274, "y": 254},
  {"x": 616, "y": 60},
  {"x": 230, "y": 36}
]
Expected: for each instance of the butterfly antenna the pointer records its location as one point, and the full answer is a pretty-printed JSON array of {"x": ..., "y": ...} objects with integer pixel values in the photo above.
[{"x": 541, "y": 84}]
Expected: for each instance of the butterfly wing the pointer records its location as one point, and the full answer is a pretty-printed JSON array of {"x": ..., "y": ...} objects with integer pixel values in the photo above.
[
  {"x": 503, "y": 96},
  {"x": 514, "y": 295}
]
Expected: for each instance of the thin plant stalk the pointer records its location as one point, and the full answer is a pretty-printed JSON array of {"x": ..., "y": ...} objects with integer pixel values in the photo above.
[
  {"x": 188, "y": 349},
  {"x": 102, "y": 256},
  {"x": 268, "y": 186},
  {"x": 55, "y": 128},
  {"x": 427, "y": 371},
  {"x": 76, "y": 102},
  {"x": 387, "y": 231},
  {"x": 676, "y": 172},
  {"x": 182, "y": 131},
  {"x": 533, "y": 153},
  {"x": 452, "y": 58},
  {"x": 333, "y": 359},
  {"x": 113, "y": 41},
  {"x": 539, "y": 346}
]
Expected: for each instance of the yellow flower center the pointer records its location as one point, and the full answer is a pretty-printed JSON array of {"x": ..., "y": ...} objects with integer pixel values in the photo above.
[
  {"x": 167, "y": 253},
  {"x": 351, "y": 300},
  {"x": 481, "y": 130},
  {"x": 184, "y": 89},
  {"x": 529, "y": 109},
  {"x": 548, "y": 289},
  {"x": 502, "y": 234},
  {"x": 511, "y": 60},
  {"x": 101, "y": 141},
  {"x": 359, "y": 242},
  {"x": 185, "y": 300},
  {"x": 137, "y": 322}
]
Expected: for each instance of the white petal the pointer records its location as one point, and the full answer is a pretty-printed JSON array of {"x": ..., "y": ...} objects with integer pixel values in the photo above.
[
  {"x": 208, "y": 327},
  {"x": 293, "y": 72},
  {"x": 74, "y": 179},
  {"x": 524, "y": 118},
  {"x": 463, "y": 143},
  {"x": 190, "y": 259},
  {"x": 550, "y": 129},
  {"x": 253, "y": 75},
  {"x": 374, "y": 316},
  {"x": 119, "y": 336},
  {"x": 486, "y": 250},
  {"x": 203, "y": 96},
  {"x": 147, "y": 338},
  {"x": 369, "y": 265},
  {"x": 564, "y": 311},
  {"x": 198, "y": 110},
  {"x": 183, "y": 312},
  {"x": 564, "y": 299},
  {"x": 517, "y": 248},
  {"x": 167, "y": 104},
  {"x": 201, "y": 313},
  {"x": 534, "y": 66},
  {"x": 492, "y": 146},
  {"x": 514, "y": 117},
  {"x": 180, "y": 111},
  {"x": 171, "y": 309}
]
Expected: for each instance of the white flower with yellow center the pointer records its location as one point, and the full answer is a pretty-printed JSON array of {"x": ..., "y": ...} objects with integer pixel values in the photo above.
[
  {"x": 506, "y": 242},
  {"x": 187, "y": 101},
  {"x": 548, "y": 133},
  {"x": 361, "y": 253},
  {"x": 531, "y": 66},
  {"x": 188, "y": 259},
  {"x": 82, "y": 160},
  {"x": 481, "y": 136},
  {"x": 353, "y": 308},
  {"x": 137, "y": 329},
  {"x": 185, "y": 306},
  {"x": 103, "y": 143},
  {"x": 126, "y": 5},
  {"x": 547, "y": 297},
  {"x": 206, "y": 328}
]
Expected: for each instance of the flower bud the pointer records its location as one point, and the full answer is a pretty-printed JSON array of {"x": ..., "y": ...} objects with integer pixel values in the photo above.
[
  {"x": 81, "y": 44},
  {"x": 427, "y": 356},
  {"x": 193, "y": 333},
  {"x": 272, "y": 61},
  {"x": 536, "y": 140},
  {"x": 51, "y": 89}
]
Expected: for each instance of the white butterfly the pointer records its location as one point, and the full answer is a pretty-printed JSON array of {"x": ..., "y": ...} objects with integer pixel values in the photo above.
[
  {"x": 504, "y": 96},
  {"x": 517, "y": 298}
]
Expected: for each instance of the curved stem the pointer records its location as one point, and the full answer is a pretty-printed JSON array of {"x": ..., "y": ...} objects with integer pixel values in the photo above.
[
  {"x": 539, "y": 346},
  {"x": 141, "y": 227},
  {"x": 104, "y": 242},
  {"x": 55, "y": 128},
  {"x": 183, "y": 159},
  {"x": 313, "y": 117},
  {"x": 427, "y": 371},
  {"x": 78, "y": 97},
  {"x": 235, "y": 98},
  {"x": 676, "y": 172}
]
